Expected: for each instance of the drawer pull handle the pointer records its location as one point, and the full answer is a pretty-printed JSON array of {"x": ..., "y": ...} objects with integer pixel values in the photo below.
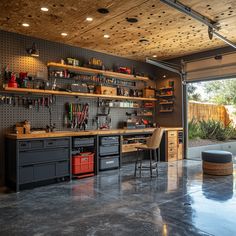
[
  {"x": 109, "y": 162},
  {"x": 23, "y": 145},
  {"x": 51, "y": 143}
]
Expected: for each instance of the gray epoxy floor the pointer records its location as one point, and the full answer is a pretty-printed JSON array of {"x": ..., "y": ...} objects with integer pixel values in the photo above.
[{"x": 181, "y": 201}]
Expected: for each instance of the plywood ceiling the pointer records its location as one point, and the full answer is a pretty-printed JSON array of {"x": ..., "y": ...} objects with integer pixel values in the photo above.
[{"x": 169, "y": 33}]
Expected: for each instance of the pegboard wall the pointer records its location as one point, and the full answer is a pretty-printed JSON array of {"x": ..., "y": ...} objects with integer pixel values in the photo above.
[{"x": 13, "y": 53}]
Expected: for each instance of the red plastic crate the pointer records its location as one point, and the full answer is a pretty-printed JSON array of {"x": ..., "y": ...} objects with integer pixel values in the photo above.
[{"x": 83, "y": 163}]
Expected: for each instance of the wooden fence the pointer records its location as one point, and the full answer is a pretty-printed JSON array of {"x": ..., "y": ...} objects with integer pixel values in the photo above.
[{"x": 205, "y": 111}]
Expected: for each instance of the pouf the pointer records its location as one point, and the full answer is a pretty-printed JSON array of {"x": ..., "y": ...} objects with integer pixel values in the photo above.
[{"x": 217, "y": 162}]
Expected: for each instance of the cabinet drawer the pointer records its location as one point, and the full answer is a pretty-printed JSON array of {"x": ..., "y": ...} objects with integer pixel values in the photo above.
[
  {"x": 172, "y": 157},
  {"x": 39, "y": 156},
  {"x": 172, "y": 134},
  {"x": 62, "y": 168},
  {"x": 109, "y": 150},
  {"x": 31, "y": 144},
  {"x": 26, "y": 174},
  {"x": 57, "y": 143},
  {"x": 44, "y": 171},
  {"x": 172, "y": 150}
]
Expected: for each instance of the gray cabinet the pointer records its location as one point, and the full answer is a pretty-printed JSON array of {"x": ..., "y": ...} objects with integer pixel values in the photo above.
[{"x": 29, "y": 162}]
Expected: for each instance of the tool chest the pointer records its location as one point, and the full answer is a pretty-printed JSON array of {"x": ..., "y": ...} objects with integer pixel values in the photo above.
[
  {"x": 30, "y": 163},
  {"x": 109, "y": 152}
]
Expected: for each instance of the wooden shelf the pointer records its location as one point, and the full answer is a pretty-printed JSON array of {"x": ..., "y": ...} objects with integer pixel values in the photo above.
[
  {"x": 131, "y": 147},
  {"x": 166, "y": 88},
  {"x": 95, "y": 71},
  {"x": 166, "y": 103},
  {"x": 62, "y": 93},
  {"x": 166, "y": 111},
  {"x": 144, "y": 115},
  {"x": 166, "y": 95}
]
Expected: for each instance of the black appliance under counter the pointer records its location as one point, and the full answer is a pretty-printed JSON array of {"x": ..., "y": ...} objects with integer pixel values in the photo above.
[{"x": 37, "y": 161}]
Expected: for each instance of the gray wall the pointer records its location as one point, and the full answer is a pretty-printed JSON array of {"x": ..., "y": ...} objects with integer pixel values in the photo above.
[{"x": 13, "y": 53}]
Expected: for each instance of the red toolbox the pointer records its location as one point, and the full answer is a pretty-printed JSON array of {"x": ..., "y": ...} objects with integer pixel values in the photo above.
[{"x": 83, "y": 163}]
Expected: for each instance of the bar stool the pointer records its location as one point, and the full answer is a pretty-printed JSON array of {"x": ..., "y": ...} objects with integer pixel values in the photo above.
[{"x": 152, "y": 145}]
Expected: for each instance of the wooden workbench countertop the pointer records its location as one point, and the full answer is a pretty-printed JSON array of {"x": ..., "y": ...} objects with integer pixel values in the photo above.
[{"x": 59, "y": 134}]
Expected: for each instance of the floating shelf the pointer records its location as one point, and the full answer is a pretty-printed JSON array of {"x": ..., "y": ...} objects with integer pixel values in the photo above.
[
  {"x": 166, "y": 103},
  {"x": 165, "y": 95},
  {"x": 166, "y": 111},
  {"x": 62, "y": 93},
  {"x": 95, "y": 71},
  {"x": 166, "y": 88}
]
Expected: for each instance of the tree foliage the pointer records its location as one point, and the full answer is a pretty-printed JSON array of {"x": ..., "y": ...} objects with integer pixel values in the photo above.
[
  {"x": 221, "y": 91},
  {"x": 192, "y": 94}
]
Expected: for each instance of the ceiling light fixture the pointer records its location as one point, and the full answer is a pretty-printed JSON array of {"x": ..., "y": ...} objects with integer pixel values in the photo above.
[
  {"x": 89, "y": 19},
  {"x": 33, "y": 51},
  {"x": 103, "y": 10},
  {"x": 106, "y": 36},
  {"x": 64, "y": 34},
  {"x": 144, "y": 41},
  {"x": 25, "y": 24},
  {"x": 132, "y": 19},
  {"x": 154, "y": 56},
  {"x": 44, "y": 9}
]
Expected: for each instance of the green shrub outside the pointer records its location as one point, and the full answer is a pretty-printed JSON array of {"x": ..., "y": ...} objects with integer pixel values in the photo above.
[{"x": 210, "y": 129}]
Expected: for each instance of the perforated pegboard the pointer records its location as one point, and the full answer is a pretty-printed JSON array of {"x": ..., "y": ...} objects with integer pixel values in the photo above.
[{"x": 13, "y": 53}]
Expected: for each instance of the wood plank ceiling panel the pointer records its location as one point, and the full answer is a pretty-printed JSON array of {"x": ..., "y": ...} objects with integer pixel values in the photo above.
[{"x": 168, "y": 32}]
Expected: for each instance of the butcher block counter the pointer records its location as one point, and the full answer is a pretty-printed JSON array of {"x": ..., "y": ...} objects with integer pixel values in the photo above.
[{"x": 59, "y": 134}]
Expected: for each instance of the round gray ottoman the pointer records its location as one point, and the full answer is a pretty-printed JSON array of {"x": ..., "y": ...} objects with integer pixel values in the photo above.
[{"x": 217, "y": 162}]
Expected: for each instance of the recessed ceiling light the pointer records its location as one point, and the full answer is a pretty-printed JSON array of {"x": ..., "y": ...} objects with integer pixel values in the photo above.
[
  {"x": 64, "y": 34},
  {"x": 44, "y": 9},
  {"x": 154, "y": 56},
  {"x": 89, "y": 19},
  {"x": 106, "y": 36},
  {"x": 132, "y": 19},
  {"x": 103, "y": 10},
  {"x": 164, "y": 76},
  {"x": 144, "y": 41},
  {"x": 25, "y": 24}
]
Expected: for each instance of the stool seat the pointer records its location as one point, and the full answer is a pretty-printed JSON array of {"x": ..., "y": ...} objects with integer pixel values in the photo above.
[
  {"x": 217, "y": 156},
  {"x": 217, "y": 162}
]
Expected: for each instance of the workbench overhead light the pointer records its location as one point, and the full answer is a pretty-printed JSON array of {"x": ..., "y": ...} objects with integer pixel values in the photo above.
[
  {"x": 25, "y": 25},
  {"x": 154, "y": 56},
  {"x": 213, "y": 26},
  {"x": 33, "y": 51},
  {"x": 44, "y": 9},
  {"x": 106, "y": 36}
]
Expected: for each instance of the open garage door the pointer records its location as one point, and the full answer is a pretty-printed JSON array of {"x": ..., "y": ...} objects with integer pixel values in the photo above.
[
  {"x": 212, "y": 68},
  {"x": 216, "y": 67}
]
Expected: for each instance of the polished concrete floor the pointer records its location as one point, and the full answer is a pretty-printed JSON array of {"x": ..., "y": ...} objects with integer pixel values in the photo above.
[{"x": 181, "y": 201}]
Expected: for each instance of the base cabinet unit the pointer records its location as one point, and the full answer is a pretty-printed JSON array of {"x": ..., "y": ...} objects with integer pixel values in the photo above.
[
  {"x": 172, "y": 145},
  {"x": 83, "y": 156},
  {"x": 109, "y": 152},
  {"x": 37, "y": 162}
]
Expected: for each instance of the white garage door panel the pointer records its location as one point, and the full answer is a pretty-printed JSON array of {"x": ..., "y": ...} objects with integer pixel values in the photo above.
[{"x": 210, "y": 68}]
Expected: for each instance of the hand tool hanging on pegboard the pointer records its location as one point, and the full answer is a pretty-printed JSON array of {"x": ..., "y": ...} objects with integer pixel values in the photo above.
[
  {"x": 76, "y": 116},
  {"x": 27, "y": 101}
]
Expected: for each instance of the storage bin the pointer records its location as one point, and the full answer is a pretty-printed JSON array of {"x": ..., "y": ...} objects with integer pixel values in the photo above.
[{"x": 83, "y": 163}]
